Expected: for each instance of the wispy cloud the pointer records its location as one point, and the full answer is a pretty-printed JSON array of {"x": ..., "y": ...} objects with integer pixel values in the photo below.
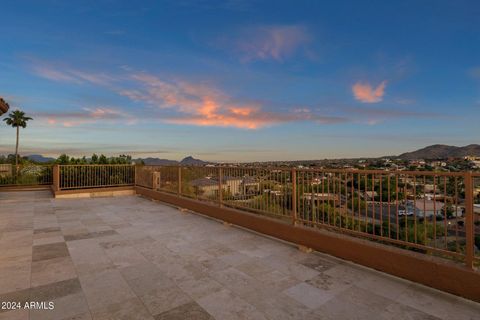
[
  {"x": 276, "y": 42},
  {"x": 71, "y": 75},
  {"x": 364, "y": 92},
  {"x": 182, "y": 102},
  {"x": 88, "y": 116},
  {"x": 55, "y": 75},
  {"x": 204, "y": 105}
]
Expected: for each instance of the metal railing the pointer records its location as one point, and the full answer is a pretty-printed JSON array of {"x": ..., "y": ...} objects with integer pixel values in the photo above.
[
  {"x": 25, "y": 175},
  {"x": 144, "y": 177},
  {"x": 429, "y": 212},
  {"x": 476, "y": 213},
  {"x": 70, "y": 177},
  {"x": 421, "y": 211}
]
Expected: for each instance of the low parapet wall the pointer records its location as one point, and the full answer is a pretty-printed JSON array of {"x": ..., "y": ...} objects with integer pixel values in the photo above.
[{"x": 94, "y": 192}]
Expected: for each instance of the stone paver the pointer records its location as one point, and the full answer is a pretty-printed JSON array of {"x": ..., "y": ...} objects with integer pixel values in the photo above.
[{"x": 131, "y": 258}]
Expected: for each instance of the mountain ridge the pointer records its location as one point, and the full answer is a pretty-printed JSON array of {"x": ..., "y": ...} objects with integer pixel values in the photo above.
[
  {"x": 40, "y": 158},
  {"x": 187, "y": 161},
  {"x": 432, "y": 152},
  {"x": 442, "y": 151}
]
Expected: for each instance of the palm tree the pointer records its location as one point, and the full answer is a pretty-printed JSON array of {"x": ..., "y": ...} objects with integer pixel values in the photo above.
[{"x": 17, "y": 119}]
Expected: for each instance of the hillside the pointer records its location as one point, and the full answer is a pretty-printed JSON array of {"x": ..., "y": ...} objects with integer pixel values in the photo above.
[
  {"x": 441, "y": 151},
  {"x": 187, "y": 161},
  {"x": 158, "y": 162},
  {"x": 39, "y": 158},
  {"x": 191, "y": 161}
]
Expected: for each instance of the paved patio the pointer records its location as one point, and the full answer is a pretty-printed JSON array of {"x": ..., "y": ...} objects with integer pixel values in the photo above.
[{"x": 131, "y": 258}]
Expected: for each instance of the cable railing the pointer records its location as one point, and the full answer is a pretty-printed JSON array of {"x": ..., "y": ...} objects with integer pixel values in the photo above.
[{"x": 436, "y": 213}]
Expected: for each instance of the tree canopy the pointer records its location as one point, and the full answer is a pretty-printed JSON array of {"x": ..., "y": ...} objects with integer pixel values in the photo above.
[
  {"x": 17, "y": 118},
  {"x": 94, "y": 159}
]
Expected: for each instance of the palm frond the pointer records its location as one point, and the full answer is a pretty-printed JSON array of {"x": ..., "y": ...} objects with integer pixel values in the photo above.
[{"x": 17, "y": 118}]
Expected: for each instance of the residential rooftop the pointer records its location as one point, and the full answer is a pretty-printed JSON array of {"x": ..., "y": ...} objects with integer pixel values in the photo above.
[{"x": 132, "y": 258}]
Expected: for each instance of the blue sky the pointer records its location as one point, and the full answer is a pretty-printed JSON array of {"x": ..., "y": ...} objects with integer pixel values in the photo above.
[{"x": 241, "y": 80}]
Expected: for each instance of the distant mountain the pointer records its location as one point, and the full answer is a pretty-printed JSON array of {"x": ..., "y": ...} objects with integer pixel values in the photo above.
[
  {"x": 159, "y": 162},
  {"x": 39, "y": 158},
  {"x": 187, "y": 161},
  {"x": 441, "y": 151},
  {"x": 191, "y": 161}
]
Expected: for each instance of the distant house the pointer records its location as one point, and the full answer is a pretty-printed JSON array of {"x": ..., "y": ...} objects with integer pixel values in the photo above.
[
  {"x": 318, "y": 180},
  {"x": 321, "y": 197},
  {"x": 429, "y": 187},
  {"x": 209, "y": 186},
  {"x": 433, "y": 196},
  {"x": 370, "y": 195},
  {"x": 438, "y": 164},
  {"x": 249, "y": 185},
  {"x": 429, "y": 208},
  {"x": 476, "y": 208},
  {"x": 476, "y": 163},
  {"x": 241, "y": 185},
  {"x": 276, "y": 193}
]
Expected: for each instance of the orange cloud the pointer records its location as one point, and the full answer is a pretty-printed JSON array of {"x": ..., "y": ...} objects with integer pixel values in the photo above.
[
  {"x": 245, "y": 111},
  {"x": 364, "y": 92},
  {"x": 212, "y": 113},
  {"x": 204, "y": 105}
]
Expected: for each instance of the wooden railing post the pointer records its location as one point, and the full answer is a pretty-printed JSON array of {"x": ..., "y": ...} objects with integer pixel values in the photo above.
[
  {"x": 179, "y": 180},
  {"x": 220, "y": 186},
  {"x": 469, "y": 226},
  {"x": 56, "y": 177},
  {"x": 294, "y": 196}
]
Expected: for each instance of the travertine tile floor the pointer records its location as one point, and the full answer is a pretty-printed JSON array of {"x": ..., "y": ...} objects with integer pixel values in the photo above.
[{"x": 131, "y": 258}]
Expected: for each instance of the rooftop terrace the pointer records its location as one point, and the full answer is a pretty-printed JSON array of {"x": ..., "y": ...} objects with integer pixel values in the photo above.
[{"x": 132, "y": 258}]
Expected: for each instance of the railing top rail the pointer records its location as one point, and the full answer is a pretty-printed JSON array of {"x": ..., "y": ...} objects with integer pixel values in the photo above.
[
  {"x": 96, "y": 165},
  {"x": 385, "y": 172},
  {"x": 29, "y": 164}
]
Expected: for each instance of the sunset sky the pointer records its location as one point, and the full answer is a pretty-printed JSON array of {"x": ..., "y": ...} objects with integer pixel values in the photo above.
[{"x": 240, "y": 80}]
